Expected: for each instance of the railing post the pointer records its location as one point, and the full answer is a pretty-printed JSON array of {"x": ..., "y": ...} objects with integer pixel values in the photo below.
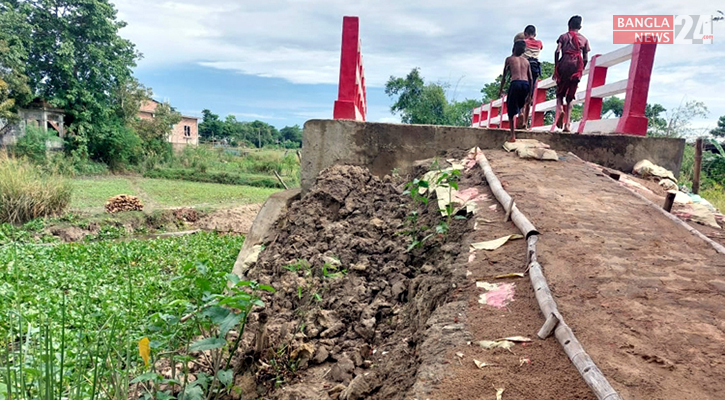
[
  {"x": 504, "y": 109},
  {"x": 537, "y": 117},
  {"x": 351, "y": 96},
  {"x": 633, "y": 120},
  {"x": 492, "y": 113},
  {"x": 475, "y": 118},
  {"x": 593, "y": 105},
  {"x": 483, "y": 117}
]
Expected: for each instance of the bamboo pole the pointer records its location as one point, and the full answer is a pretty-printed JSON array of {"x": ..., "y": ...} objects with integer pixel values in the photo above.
[
  {"x": 591, "y": 374},
  {"x": 696, "y": 168},
  {"x": 526, "y": 227},
  {"x": 280, "y": 180}
]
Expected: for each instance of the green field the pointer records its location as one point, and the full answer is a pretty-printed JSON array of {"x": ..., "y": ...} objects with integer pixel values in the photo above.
[
  {"x": 72, "y": 314},
  {"x": 90, "y": 194}
]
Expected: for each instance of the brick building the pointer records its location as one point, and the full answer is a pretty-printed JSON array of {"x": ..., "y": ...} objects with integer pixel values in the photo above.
[{"x": 185, "y": 133}]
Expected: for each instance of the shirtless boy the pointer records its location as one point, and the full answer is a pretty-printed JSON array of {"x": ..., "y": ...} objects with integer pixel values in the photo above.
[
  {"x": 570, "y": 59},
  {"x": 520, "y": 87}
]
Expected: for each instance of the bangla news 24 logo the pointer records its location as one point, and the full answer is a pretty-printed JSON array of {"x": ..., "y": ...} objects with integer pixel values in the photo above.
[{"x": 662, "y": 29}]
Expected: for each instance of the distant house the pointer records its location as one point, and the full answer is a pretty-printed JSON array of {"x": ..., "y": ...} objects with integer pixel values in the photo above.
[
  {"x": 38, "y": 114},
  {"x": 185, "y": 133}
]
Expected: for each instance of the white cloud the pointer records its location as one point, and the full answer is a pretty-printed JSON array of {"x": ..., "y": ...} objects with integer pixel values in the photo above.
[{"x": 459, "y": 42}]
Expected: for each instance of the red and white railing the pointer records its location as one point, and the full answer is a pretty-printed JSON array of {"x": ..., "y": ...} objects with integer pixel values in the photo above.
[
  {"x": 351, "y": 97},
  {"x": 635, "y": 87}
]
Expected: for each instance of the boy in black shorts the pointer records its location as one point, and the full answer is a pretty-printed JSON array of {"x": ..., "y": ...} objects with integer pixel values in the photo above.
[{"x": 520, "y": 88}]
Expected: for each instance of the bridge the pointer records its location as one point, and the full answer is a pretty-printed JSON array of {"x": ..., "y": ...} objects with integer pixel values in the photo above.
[{"x": 624, "y": 299}]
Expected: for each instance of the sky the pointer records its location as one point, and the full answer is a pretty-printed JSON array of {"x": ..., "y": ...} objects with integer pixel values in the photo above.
[{"x": 278, "y": 61}]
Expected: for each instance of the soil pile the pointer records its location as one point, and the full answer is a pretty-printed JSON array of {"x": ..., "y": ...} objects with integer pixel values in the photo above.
[{"x": 355, "y": 314}]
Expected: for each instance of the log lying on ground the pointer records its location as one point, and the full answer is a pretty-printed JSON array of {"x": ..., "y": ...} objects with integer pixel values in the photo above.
[
  {"x": 503, "y": 197},
  {"x": 717, "y": 246},
  {"x": 589, "y": 371}
]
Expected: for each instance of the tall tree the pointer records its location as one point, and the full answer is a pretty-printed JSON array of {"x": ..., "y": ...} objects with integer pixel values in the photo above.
[
  {"x": 292, "y": 136},
  {"x": 418, "y": 102},
  {"x": 14, "y": 89},
  {"x": 76, "y": 59},
  {"x": 210, "y": 126}
]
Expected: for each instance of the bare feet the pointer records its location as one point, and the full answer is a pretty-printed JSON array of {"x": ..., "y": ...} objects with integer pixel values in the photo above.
[
  {"x": 567, "y": 128},
  {"x": 560, "y": 120}
]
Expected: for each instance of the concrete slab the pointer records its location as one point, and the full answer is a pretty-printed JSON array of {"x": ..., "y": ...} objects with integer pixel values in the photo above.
[
  {"x": 275, "y": 206},
  {"x": 382, "y": 147}
]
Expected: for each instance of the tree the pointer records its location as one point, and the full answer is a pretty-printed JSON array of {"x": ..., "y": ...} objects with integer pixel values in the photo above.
[
  {"x": 14, "y": 89},
  {"x": 291, "y": 135},
  {"x": 155, "y": 132},
  {"x": 460, "y": 113},
  {"x": 76, "y": 60},
  {"x": 127, "y": 98},
  {"x": 679, "y": 120},
  {"x": 418, "y": 102},
  {"x": 720, "y": 130},
  {"x": 210, "y": 126}
]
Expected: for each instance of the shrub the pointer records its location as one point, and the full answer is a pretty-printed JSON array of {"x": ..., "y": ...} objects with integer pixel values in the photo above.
[
  {"x": 27, "y": 193},
  {"x": 227, "y": 178},
  {"x": 32, "y": 144}
]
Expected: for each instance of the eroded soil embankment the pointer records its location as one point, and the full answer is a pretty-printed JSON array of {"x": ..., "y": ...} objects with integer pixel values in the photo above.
[{"x": 355, "y": 314}]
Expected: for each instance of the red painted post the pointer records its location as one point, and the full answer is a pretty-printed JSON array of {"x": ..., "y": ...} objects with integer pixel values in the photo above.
[
  {"x": 476, "y": 117},
  {"x": 504, "y": 109},
  {"x": 483, "y": 117},
  {"x": 537, "y": 118},
  {"x": 633, "y": 120},
  {"x": 593, "y": 106},
  {"x": 493, "y": 113},
  {"x": 351, "y": 100}
]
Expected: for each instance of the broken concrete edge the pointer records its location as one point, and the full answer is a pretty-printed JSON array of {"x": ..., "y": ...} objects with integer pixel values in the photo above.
[
  {"x": 383, "y": 147},
  {"x": 259, "y": 234},
  {"x": 588, "y": 370}
]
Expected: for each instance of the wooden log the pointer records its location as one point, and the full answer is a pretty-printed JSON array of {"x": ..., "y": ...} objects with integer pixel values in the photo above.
[
  {"x": 526, "y": 227},
  {"x": 284, "y": 185},
  {"x": 548, "y": 328},
  {"x": 696, "y": 168},
  {"x": 669, "y": 201}
]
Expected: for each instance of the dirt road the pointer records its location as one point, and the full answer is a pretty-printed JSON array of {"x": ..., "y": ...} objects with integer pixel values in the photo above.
[{"x": 644, "y": 296}]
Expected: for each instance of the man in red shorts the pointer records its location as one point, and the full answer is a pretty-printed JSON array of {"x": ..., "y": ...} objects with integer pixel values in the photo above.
[{"x": 570, "y": 59}]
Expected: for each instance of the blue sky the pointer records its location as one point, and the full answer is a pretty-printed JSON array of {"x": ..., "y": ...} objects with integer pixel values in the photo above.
[{"x": 278, "y": 61}]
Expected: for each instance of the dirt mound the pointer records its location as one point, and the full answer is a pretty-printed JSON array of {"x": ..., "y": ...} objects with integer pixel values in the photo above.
[
  {"x": 355, "y": 315},
  {"x": 235, "y": 220}
]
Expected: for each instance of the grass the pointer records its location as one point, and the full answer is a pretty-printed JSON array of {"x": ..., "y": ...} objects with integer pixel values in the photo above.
[
  {"x": 27, "y": 193},
  {"x": 71, "y": 315},
  {"x": 93, "y": 192},
  {"x": 183, "y": 193},
  {"x": 715, "y": 195},
  {"x": 90, "y": 194}
]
